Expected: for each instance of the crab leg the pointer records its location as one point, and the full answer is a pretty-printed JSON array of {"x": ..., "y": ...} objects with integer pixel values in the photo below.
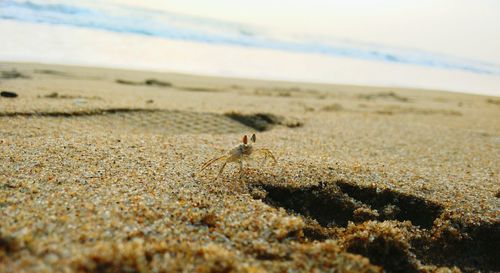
[
  {"x": 221, "y": 169},
  {"x": 241, "y": 168},
  {"x": 211, "y": 161},
  {"x": 267, "y": 153}
]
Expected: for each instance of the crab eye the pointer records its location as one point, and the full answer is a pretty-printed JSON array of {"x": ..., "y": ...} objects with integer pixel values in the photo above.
[
  {"x": 245, "y": 139},
  {"x": 253, "y": 138}
]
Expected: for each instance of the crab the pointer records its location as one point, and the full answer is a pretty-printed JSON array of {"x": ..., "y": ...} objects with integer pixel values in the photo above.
[{"x": 238, "y": 154}]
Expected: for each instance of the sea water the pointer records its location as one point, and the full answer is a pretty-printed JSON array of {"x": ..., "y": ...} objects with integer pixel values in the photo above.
[{"x": 112, "y": 35}]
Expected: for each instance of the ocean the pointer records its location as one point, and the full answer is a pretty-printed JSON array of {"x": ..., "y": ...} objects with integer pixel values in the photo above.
[{"x": 113, "y": 35}]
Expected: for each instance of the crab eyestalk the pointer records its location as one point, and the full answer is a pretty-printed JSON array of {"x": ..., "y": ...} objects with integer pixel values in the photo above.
[{"x": 245, "y": 139}]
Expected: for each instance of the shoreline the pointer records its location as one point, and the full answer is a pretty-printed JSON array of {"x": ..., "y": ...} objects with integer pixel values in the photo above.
[
  {"x": 151, "y": 53},
  {"x": 245, "y": 79}
]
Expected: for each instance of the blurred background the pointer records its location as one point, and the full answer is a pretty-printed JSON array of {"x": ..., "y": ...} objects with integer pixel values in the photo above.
[{"x": 441, "y": 44}]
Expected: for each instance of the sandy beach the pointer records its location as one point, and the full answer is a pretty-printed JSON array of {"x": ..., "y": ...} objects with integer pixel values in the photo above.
[{"x": 100, "y": 172}]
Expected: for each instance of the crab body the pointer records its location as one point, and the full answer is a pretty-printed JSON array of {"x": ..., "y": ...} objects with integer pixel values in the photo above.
[{"x": 238, "y": 154}]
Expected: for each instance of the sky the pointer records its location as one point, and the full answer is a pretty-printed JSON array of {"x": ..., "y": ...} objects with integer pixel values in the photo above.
[{"x": 462, "y": 28}]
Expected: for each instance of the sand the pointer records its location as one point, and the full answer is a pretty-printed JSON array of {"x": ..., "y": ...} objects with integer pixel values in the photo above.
[{"x": 99, "y": 173}]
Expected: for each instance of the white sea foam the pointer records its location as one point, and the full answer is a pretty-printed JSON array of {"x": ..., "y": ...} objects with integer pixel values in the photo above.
[
  {"x": 32, "y": 42},
  {"x": 160, "y": 23}
]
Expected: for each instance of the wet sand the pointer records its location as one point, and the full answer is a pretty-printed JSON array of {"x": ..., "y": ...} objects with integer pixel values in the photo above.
[{"x": 100, "y": 173}]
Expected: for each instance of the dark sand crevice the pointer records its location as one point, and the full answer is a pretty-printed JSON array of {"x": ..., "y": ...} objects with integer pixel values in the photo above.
[
  {"x": 162, "y": 119},
  {"x": 8, "y": 94},
  {"x": 324, "y": 203},
  {"x": 290, "y": 92},
  {"x": 494, "y": 101},
  {"x": 338, "y": 203},
  {"x": 55, "y": 95},
  {"x": 470, "y": 246},
  {"x": 263, "y": 121},
  {"x": 395, "y": 205},
  {"x": 51, "y": 72},
  {"x": 385, "y": 96},
  {"x": 395, "y": 230},
  {"x": 385, "y": 243},
  {"x": 13, "y": 74},
  {"x": 69, "y": 114},
  {"x": 395, "y": 109},
  {"x": 331, "y": 207},
  {"x": 8, "y": 245},
  {"x": 160, "y": 83},
  {"x": 12, "y": 249},
  {"x": 66, "y": 75},
  {"x": 197, "y": 89},
  {"x": 146, "y": 82}
]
